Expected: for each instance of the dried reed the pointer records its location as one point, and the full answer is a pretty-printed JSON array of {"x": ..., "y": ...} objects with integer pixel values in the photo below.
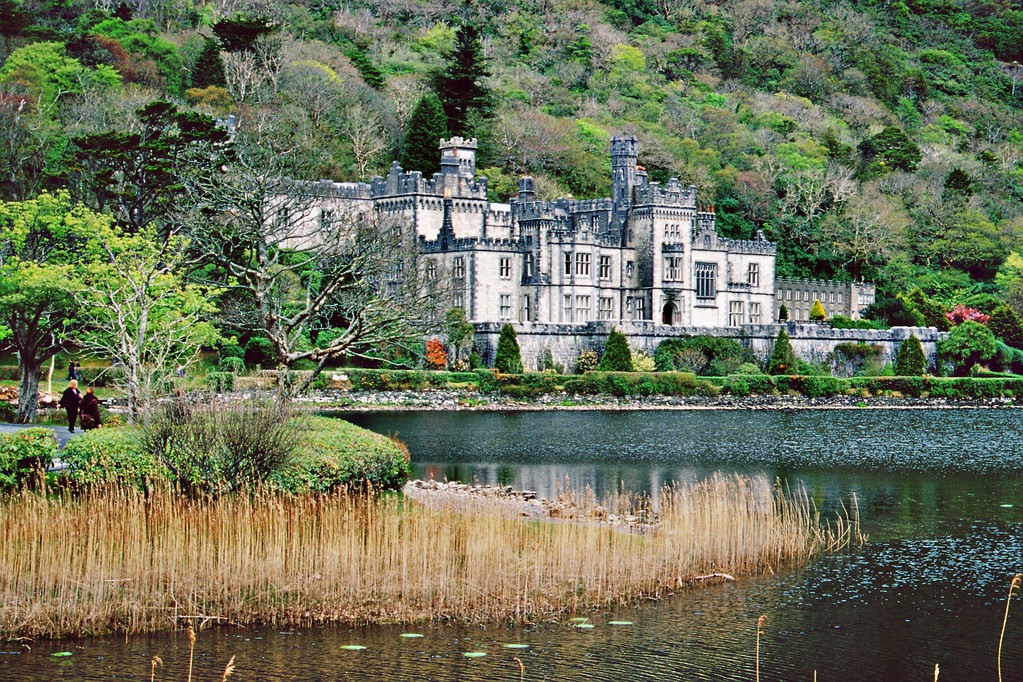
[
  {"x": 1013, "y": 591},
  {"x": 761, "y": 622},
  {"x": 118, "y": 560}
]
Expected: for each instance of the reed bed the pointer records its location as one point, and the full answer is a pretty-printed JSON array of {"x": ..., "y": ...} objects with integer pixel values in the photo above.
[{"x": 117, "y": 560}]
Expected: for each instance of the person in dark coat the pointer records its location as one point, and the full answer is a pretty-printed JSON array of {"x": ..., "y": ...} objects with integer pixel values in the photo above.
[
  {"x": 89, "y": 410},
  {"x": 70, "y": 370},
  {"x": 70, "y": 400}
]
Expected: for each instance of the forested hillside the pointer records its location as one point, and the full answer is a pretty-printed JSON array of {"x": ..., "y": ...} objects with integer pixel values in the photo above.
[{"x": 877, "y": 139}]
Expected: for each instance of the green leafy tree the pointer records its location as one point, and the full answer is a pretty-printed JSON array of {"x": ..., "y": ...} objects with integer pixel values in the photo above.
[
  {"x": 41, "y": 242},
  {"x": 142, "y": 177},
  {"x": 967, "y": 345},
  {"x": 891, "y": 149},
  {"x": 1006, "y": 325},
  {"x": 783, "y": 358},
  {"x": 460, "y": 332},
  {"x": 617, "y": 355},
  {"x": 910, "y": 361},
  {"x": 426, "y": 127},
  {"x": 46, "y": 72},
  {"x": 508, "y": 359},
  {"x": 932, "y": 312},
  {"x": 240, "y": 33},
  {"x": 817, "y": 313},
  {"x": 209, "y": 67},
  {"x": 462, "y": 85}
]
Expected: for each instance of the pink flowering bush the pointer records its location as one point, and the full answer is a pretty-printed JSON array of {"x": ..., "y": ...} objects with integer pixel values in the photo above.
[{"x": 961, "y": 313}]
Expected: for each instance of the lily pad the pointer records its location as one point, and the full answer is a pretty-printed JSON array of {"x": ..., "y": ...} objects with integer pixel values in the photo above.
[
  {"x": 61, "y": 653},
  {"x": 410, "y": 635},
  {"x": 474, "y": 654},
  {"x": 516, "y": 646},
  {"x": 619, "y": 622},
  {"x": 584, "y": 626},
  {"x": 352, "y": 647}
]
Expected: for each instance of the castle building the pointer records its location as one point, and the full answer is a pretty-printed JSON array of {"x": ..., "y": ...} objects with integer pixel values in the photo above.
[{"x": 649, "y": 252}]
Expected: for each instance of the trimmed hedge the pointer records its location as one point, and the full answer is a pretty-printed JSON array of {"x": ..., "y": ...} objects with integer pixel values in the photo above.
[
  {"x": 331, "y": 453},
  {"x": 25, "y": 456}
]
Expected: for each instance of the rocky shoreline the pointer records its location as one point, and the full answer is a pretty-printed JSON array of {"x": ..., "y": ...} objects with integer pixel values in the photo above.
[{"x": 449, "y": 400}]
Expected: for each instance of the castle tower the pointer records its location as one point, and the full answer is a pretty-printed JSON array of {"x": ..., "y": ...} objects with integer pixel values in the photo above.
[
  {"x": 458, "y": 154},
  {"x": 624, "y": 154},
  {"x": 527, "y": 188}
]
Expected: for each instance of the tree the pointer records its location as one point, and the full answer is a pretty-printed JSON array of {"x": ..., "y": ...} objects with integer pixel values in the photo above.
[
  {"x": 890, "y": 149},
  {"x": 41, "y": 240},
  {"x": 436, "y": 356},
  {"x": 932, "y": 312},
  {"x": 49, "y": 76},
  {"x": 910, "y": 361},
  {"x": 870, "y": 231},
  {"x": 783, "y": 358},
  {"x": 508, "y": 359},
  {"x": 1006, "y": 325},
  {"x": 137, "y": 309},
  {"x": 967, "y": 345},
  {"x": 422, "y": 141},
  {"x": 461, "y": 85},
  {"x": 783, "y": 313},
  {"x": 209, "y": 67},
  {"x": 460, "y": 332},
  {"x": 321, "y": 283},
  {"x": 617, "y": 356},
  {"x": 142, "y": 177},
  {"x": 817, "y": 313},
  {"x": 362, "y": 127}
]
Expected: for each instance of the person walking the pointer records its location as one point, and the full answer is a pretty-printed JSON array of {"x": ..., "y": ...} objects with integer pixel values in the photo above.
[
  {"x": 70, "y": 370},
  {"x": 89, "y": 410},
  {"x": 70, "y": 400}
]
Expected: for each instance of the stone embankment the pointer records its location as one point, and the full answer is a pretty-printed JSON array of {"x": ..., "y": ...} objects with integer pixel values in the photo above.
[
  {"x": 462, "y": 400},
  {"x": 506, "y": 502}
]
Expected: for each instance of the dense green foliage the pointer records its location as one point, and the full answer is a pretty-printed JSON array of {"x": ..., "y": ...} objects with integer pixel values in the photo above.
[
  {"x": 703, "y": 355},
  {"x": 617, "y": 355},
  {"x": 426, "y": 127},
  {"x": 508, "y": 359},
  {"x": 911, "y": 360},
  {"x": 1006, "y": 325},
  {"x": 329, "y": 453},
  {"x": 25, "y": 456},
  {"x": 966, "y": 345},
  {"x": 783, "y": 359}
]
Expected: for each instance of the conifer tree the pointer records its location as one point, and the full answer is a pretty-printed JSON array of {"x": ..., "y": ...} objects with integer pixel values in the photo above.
[
  {"x": 209, "y": 68},
  {"x": 617, "y": 356},
  {"x": 461, "y": 85},
  {"x": 817, "y": 313},
  {"x": 910, "y": 361},
  {"x": 508, "y": 359},
  {"x": 1006, "y": 325},
  {"x": 783, "y": 313},
  {"x": 783, "y": 358},
  {"x": 426, "y": 127}
]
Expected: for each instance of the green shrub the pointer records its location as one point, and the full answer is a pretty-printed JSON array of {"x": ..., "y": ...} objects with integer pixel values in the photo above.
[
  {"x": 817, "y": 313},
  {"x": 737, "y": 385},
  {"x": 25, "y": 456},
  {"x": 1005, "y": 324},
  {"x": 231, "y": 364},
  {"x": 508, "y": 359},
  {"x": 842, "y": 322},
  {"x": 966, "y": 345},
  {"x": 783, "y": 359},
  {"x": 617, "y": 355},
  {"x": 588, "y": 361},
  {"x": 911, "y": 360},
  {"x": 8, "y": 412},
  {"x": 221, "y": 382},
  {"x": 702, "y": 355},
  {"x": 330, "y": 453},
  {"x": 231, "y": 350},
  {"x": 848, "y": 359},
  {"x": 259, "y": 351}
]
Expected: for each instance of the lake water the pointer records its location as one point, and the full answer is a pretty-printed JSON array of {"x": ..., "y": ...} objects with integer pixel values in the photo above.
[{"x": 940, "y": 492}]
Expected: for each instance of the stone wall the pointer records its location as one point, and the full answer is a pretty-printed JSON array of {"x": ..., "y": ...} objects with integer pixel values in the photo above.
[{"x": 811, "y": 342}]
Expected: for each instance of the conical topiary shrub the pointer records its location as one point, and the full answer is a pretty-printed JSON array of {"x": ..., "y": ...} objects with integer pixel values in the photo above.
[
  {"x": 783, "y": 358},
  {"x": 617, "y": 356},
  {"x": 910, "y": 361},
  {"x": 817, "y": 313},
  {"x": 508, "y": 359}
]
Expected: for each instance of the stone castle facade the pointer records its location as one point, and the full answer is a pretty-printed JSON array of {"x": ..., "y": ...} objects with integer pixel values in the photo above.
[{"x": 649, "y": 252}]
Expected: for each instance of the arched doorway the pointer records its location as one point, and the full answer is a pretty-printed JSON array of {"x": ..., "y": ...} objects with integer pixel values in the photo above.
[{"x": 668, "y": 316}]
